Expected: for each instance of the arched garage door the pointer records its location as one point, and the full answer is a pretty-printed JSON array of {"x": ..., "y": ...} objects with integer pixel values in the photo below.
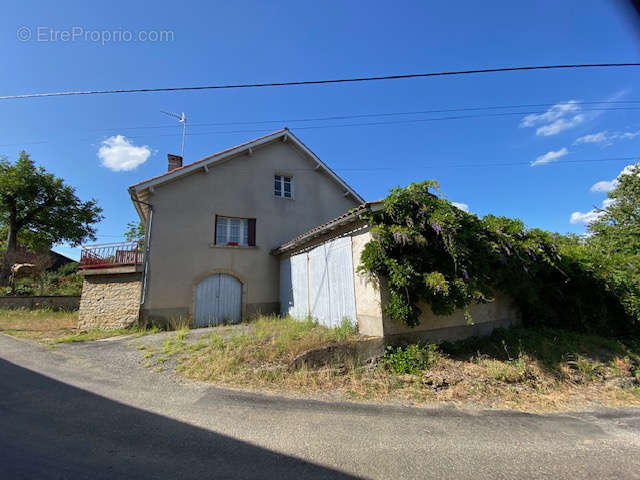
[{"x": 218, "y": 300}]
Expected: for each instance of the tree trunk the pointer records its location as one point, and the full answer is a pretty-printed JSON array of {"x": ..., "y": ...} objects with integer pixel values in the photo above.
[{"x": 9, "y": 254}]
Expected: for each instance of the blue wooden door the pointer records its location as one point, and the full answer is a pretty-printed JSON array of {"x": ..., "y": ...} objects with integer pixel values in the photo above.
[{"x": 218, "y": 301}]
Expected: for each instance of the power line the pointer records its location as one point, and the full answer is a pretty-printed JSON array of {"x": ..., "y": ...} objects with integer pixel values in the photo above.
[
  {"x": 323, "y": 82},
  {"x": 494, "y": 164},
  {"x": 339, "y": 125},
  {"x": 392, "y": 114}
]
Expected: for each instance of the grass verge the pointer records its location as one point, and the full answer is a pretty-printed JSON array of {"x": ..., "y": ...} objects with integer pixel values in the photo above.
[
  {"x": 54, "y": 327},
  {"x": 42, "y": 324},
  {"x": 533, "y": 370}
]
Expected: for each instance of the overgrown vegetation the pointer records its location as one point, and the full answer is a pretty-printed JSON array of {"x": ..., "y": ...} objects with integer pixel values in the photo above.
[
  {"x": 64, "y": 281},
  {"x": 412, "y": 359},
  {"x": 524, "y": 368},
  {"x": 427, "y": 249},
  {"x": 262, "y": 351}
]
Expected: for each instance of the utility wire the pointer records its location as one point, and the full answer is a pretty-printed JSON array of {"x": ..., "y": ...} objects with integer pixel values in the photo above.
[
  {"x": 315, "y": 127},
  {"x": 324, "y": 82},
  {"x": 394, "y": 114}
]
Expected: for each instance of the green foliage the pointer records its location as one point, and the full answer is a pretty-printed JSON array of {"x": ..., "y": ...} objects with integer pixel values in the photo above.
[
  {"x": 345, "y": 330},
  {"x": 412, "y": 359},
  {"x": 424, "y": 248},
  {"x": 34, "y": 200},
  {"x": 135, "y": 232},
  {"x": 551, "y": 347},
  {"x": 64, "y": 281}
]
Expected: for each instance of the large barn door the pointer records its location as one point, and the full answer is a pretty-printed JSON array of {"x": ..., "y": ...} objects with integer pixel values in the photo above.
[
  {"x": 294, "y": 286},
  {"x": 342, "y": 299},
  {"x": 320, "y": 283},
  {"x": 218, "y": 300}
]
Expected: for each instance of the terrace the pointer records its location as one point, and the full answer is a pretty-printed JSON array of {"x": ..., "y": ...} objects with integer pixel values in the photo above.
[{"x": 110, "y": 255}]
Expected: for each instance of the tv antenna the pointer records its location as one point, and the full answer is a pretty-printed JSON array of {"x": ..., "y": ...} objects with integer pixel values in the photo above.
[{"x": 183, "y": 120}]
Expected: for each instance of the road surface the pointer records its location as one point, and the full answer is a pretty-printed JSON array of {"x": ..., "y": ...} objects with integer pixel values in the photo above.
[{"x": 91, "y": 411}]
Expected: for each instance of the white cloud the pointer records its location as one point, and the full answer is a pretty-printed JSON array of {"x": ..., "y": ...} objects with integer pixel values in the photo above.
[
  {"x": 591, "y": 215},
  {"x": 592, "y": 138},
  {"x": 119, "y": 154},
  {"x": 586, "y": 217},
  {"x": 549, "y": 157},
  {"x": 462, "y": 206},
  {"x": 560, "y": 125},
  {"x": 559, "y": 110},
  {"x": 629, "y": 135},
  {"x": 606, "y": 137},
  {"x": 556, "y": 119},
  {"x": 606, "y": 186}
]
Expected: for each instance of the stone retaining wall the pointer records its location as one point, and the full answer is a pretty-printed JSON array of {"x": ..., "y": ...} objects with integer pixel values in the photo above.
[
  {"x": 110, "y": 301},
  {"x": 35, "y": 302}
]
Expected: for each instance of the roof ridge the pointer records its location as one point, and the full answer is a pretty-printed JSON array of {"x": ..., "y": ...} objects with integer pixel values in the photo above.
[{"x": 209, "y": 157}]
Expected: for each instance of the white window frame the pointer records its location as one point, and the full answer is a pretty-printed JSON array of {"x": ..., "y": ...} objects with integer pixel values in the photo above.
[
  {"x": 243, "y": 231},
  {"x": 280, "y": 177}
]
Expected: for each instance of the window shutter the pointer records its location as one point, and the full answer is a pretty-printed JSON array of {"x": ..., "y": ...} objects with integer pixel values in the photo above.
[{"x": 252, "y": 232}]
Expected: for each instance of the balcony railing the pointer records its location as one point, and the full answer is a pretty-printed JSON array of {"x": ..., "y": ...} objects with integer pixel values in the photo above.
[{"x": 111, "y": 255}]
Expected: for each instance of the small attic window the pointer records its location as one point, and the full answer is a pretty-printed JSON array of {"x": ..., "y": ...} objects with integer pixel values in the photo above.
[{"x": 283, "y": 186}]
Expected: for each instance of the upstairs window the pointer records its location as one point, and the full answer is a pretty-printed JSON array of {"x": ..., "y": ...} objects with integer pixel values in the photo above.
[
  {"x": 283, "y": 186},
  {"x": 235, "y": 232}
]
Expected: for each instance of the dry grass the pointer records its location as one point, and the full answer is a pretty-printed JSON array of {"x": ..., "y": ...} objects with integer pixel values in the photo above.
[
  {"x": 53, "y": 327},
  {"x": 40, "y": 325},
  {"x": 517, "y": 368}
]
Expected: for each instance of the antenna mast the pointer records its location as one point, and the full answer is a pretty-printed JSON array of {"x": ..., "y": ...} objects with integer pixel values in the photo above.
[{"x": 183, "y": 120}]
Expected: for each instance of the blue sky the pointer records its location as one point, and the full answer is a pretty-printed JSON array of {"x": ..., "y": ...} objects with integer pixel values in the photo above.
[{"x": 238, "y": 42}]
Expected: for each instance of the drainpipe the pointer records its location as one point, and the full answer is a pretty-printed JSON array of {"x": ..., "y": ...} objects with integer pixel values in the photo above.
[{"x": 147, "y": 250}]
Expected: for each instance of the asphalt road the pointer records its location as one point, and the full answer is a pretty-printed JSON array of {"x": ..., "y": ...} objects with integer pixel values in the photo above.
[{"x": 91, "y": 411}]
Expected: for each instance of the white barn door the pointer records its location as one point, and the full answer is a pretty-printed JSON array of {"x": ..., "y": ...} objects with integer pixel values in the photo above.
[
  {"x": 294, "y": 286},
  {"x": 342, "y": 299},
  {"x": 320, "y": 284},
  {"x": 218, "y": 300}
]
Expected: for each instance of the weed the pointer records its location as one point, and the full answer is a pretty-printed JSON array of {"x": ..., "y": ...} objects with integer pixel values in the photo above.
[
  {"x": 345, "y": 330},
  {"x": 413, "y": 359}
]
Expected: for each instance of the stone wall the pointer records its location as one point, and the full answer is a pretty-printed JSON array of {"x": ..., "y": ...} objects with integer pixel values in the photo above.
[
  {"x": 110, "y": 301},
  {"x": 35, "y": 302}
]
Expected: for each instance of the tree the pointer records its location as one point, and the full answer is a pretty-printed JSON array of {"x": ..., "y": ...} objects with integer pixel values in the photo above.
[
  {"x": 617, "y": 230},
  {"x": 37, "y": 205},
  {"x": 614, "y": 243},
  {"x": 135, "y": 232}
]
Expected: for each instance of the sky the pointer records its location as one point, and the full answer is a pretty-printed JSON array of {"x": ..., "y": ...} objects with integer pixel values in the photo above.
[{"x": 561, "y": 158}]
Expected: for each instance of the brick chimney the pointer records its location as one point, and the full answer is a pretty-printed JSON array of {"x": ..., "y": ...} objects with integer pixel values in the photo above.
[{"x": 175, "y": 161}]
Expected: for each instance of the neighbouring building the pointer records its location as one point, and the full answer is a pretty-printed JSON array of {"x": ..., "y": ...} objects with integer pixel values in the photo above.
[{"x": 225, "y": 241}]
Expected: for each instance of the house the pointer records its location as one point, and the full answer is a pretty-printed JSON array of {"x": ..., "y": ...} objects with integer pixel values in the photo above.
[
  {"x": 211, "y": 227},
  {"x": 263, "y": 227}
]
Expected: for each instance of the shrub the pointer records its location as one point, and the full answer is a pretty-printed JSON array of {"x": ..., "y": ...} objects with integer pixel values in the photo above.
[
  {"x": 412, "y": 359},
  {"x": 427, "y": 249}
]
